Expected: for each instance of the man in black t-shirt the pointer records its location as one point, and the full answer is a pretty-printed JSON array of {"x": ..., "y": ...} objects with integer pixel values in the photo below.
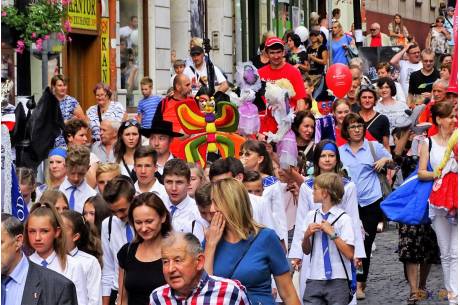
[{"x": 421, "y": 82}]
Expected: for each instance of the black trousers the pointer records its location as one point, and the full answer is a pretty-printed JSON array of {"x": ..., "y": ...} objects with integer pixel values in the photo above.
[
  {"x": 370, "y": 216},
  {"x": 113, "y": 297}
]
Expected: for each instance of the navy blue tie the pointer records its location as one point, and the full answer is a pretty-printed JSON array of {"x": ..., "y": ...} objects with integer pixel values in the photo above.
[
  {"x": 173, "y": 210},
  {"x": 72, "y": 198},
  {"x": 326, "y": 256},
  {"x": 5, "y": 280},
  {"x": 44, "y": 263},
  {"x": 129, "y": 234}
]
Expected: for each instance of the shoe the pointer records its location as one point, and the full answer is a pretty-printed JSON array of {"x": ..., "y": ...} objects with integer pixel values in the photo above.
[
  {"x": 423, "y": 294},
  {"x": 413, "y": 298},
  {"x": 380, "y": 227},
  {"x": 360, "y": 295}
]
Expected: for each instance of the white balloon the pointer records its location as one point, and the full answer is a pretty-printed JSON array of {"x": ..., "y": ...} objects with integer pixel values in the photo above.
[{"x": 302, "y": 32}]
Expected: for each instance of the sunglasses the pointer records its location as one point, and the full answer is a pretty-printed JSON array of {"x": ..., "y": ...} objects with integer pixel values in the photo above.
[
  {"x": 367, "y": 87},
  {"x": 131, "y": 122}
]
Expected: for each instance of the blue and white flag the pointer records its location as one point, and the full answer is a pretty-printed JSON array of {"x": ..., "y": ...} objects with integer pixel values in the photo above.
[{"x": 18, "y": 206}]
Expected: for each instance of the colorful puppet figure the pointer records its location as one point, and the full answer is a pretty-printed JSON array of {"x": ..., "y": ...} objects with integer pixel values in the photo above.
[
  {"x": 277, "y": 95},
  {"x": 445, "y": 190},
  {"x": 248, "y": 80},
  {"x": 211, "y": 128}
]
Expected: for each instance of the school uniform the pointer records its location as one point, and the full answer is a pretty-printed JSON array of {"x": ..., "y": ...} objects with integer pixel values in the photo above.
[
  {"x": 77, "y": 195},
  {"x": 156, "y": 188},
  {"x": 323, "y": 282},
  {"x": 272, "y": 194},
  {"x": 73, "y": 271},
  {"x": 114, "y": 235},
  {"x": 92, "y": 272},
  {"x": 183, "y": 214}
]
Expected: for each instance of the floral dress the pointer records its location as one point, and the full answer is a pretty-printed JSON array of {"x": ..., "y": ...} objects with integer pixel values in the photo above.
[{"x": 439, "y": 42}]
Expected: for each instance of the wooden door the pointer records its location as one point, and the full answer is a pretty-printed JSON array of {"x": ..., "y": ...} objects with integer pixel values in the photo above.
[{"x": 82, "y": 67}]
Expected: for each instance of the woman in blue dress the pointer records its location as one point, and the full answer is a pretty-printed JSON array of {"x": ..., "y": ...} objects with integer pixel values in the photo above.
[{"x": 237, "y": 247}]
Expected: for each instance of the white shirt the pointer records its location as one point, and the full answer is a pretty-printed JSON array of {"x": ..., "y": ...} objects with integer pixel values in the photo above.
[
  {"x": 344, "y": 229},
  {"x": 187, "y": 211},
  {"x": 405, "y": 70},
  {"x": 203, "y": 71},
  {"x": 306, "y": 204},
  {"x": 156, "y": 188},
  {"x": 161, "y": 167},
  {"x": 260, "y": 213},
  {"x": 92, "y": 272},
  {"x": 126, "y": 32},
  {"x": 400, "y": 96},
  {"x": 110, "y": 250},
  {"x": 273, "y": 197},
  {"x": 290, "y": 207},
  {"x": 73, "y": 271},
  {"x": 198, "y": 228},
  {"x": 82, "y": 193}
]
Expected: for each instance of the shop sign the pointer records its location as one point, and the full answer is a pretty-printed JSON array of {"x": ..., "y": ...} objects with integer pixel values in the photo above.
[
  {"x": 82, "y": 14},
  {"x": 105, "y": 51}
]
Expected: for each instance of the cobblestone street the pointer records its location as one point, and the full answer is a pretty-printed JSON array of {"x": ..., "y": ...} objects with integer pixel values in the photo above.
[{"x": 386, "y": 283}]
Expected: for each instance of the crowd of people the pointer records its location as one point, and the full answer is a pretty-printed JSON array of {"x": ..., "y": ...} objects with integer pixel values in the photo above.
[{"x": 121, "y": 217}]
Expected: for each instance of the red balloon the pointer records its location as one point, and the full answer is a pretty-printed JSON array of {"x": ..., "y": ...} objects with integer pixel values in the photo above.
[{"x": 338, "y": 79}]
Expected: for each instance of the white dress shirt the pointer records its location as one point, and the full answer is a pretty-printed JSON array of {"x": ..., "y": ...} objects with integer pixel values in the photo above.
[
  {"x": 83, "y": 192},
  {"x": 198, "y": 228},
  {"x": 110, "y": 250},
  {"x": 160, "y": 167},
  {"x": 73, "y": 271},
  {"x": 273, "y": 196},
  {"x": 187, "y": 211},
  {"x": 92, "y": 271},
  {"x": 156, "y": 188},
  {"x": 344, "y": 229}
]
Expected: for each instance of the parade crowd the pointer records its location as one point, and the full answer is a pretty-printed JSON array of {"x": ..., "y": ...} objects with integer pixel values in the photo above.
[{"x": 118, "y": 214}]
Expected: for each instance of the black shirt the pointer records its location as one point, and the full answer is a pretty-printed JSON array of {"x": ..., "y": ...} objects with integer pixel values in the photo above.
[
  {"x": 379, "y": 128},
  {"x": 419, "y": 83},
  {"x": 316, "y": 68},
  {"x": 141, "y": 278}
]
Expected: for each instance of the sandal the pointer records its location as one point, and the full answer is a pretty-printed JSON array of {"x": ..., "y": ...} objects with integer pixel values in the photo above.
[{"x": 412, "y": 300}]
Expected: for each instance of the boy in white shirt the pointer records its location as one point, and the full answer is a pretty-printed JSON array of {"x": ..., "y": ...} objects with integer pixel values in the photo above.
[
  {"x": 145, "y": 166},
  {"x": 329, "y": 239},
  {"x": 181, "y": 207},
  {"x": 203, "y": 202}
]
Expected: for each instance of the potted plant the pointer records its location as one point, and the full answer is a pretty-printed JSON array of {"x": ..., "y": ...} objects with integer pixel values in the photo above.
[{"x": 41, "y": 20}]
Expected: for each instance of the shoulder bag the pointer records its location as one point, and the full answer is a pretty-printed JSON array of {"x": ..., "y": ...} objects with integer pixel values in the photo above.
[{"x": 384, "y": 185}]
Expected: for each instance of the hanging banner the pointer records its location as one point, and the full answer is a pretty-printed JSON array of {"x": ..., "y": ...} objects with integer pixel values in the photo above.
[
  {"x": 105, "y": 51},
  {"x": 82, "y": 14}
]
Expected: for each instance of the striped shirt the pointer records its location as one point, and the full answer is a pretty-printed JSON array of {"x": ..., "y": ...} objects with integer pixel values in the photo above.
[
  {"x": 210, "y": 290},
  {"x": 147, "y": 108}
]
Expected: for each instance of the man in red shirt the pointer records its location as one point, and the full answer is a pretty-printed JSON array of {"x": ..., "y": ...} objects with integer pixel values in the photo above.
[
  {"x": 278, "y": 68},
  {"x": 377, "y": 38},
  {"x": 166, "y": 110}
]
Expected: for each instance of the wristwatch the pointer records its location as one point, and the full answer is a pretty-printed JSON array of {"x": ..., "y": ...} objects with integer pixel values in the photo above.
[{"x": 333, "y": 236}]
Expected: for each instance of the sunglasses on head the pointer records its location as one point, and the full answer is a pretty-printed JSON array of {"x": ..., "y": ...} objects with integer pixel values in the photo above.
[{"x": 131, "y": 122}]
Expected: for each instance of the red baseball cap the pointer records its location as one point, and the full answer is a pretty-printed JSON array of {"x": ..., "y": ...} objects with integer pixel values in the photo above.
[{"x": 271, "y": 41}]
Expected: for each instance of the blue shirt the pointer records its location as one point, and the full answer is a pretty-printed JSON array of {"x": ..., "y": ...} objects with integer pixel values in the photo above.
[
  {"x": 147, "y": 108},
  {"x": 264, "y": 258},
  {"x": 15, "y": 287},
  {"x": 339, "y": 54},
  {"x": 360, "y": 167},
  {"x": 449, "y": 27}
]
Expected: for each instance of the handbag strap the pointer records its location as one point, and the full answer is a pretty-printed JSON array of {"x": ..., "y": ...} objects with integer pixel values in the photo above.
[
  {"x": 313, "y": 237},
  {"x": 243, "y": 255},
  {"x": 371, "y": 146},
  {"x": 367, "y": 128}
]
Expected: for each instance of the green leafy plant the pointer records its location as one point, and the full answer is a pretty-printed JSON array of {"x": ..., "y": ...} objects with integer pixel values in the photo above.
[{"x": 39, "y": 20}]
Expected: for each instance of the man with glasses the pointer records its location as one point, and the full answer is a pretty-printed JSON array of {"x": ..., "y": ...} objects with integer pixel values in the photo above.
[
  {"x": 421, "y": 82},
  {"x": 376, "y": 38},
  {"x": 407, "y": 66}
]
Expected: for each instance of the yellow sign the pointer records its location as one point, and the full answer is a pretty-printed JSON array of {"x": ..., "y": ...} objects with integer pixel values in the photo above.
[
  {"x": 82, "y": 14},
  {"x": 105, "y": 51}
]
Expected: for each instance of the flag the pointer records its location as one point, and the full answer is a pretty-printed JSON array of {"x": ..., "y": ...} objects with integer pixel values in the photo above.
[
  {"x": 18, "y": 206},
  {"x": 453, "y": 82}
]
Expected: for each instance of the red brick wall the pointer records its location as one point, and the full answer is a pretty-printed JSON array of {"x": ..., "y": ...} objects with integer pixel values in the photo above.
[{"x": 416, "y": 28}]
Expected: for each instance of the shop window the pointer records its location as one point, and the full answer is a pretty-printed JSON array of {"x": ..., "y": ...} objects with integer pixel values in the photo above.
[{"x": 131, "y": 49}]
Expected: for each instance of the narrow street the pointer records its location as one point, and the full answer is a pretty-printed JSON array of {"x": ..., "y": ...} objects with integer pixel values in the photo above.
[{"x": 386, "y": 283}]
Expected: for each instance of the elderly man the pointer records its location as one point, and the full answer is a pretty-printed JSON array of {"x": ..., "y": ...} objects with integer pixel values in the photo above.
[
  {"x": 376, "y": 38},
  {"x": 198, "y": 72},
  {"x": 103, "y": 149},
  {"x": 438, "y": 95},
  {"x": 24, "y": 282},
  {"x": 188, "y": 283}
]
